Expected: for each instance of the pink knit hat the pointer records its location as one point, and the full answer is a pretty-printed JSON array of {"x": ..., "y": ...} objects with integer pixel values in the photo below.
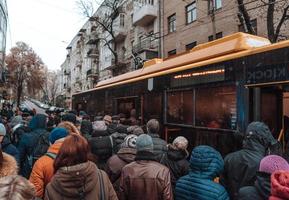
[{"x": 272, "y": 163}]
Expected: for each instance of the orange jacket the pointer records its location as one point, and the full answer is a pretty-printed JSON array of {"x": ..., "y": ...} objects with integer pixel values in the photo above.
[{"x": 43, "y": 171}]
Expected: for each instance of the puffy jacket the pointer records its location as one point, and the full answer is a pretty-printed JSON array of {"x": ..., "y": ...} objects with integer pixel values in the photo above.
[
  {"x": 43, "y": 170},
  {"x": 10, "y": 149},
  {"x": 176, "y": 161},
  {"x": 241, "y": 166},
  {"x": 29, "y": 141},
  {"x": 206, "y": 164},
  {"x": 260, "y": 190},
  {"x": 115, "y": 164},
  {"x": 80, "y": 181},
  {"x": 9, "y": 166},
  {"x": 145, "y": 179},
  {"x": 160, "y": 146},
  {"x": 279, "y": 185}
]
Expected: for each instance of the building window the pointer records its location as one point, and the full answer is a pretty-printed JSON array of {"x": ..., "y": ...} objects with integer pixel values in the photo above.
[
  {"x": 191, "y": 45},
  {"x": 254, "y": 26},
  {"x": 172, "y": 23},
  {"x": 214, "y": 5},
  {"x": 191, "y": 12},
  {"x": 121, "y": 20},
  {"x": 172, "y": 52},
  {"x": 218, "y": 36}
]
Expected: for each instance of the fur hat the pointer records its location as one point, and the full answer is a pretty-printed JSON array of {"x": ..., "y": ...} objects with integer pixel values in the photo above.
[
  {"x": 57, "y": 134},
  {"x": 181, "y": 143},
  {"x": 2, "y": 130},
  {"x": 144, "y": 142},
  {"x": 129, "y": 141},
  {"x": 272, "y": 163},
  {"x": 107, "y": 118}
]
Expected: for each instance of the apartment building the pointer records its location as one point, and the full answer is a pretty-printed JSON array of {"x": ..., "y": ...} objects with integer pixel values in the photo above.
[{"x": 187, "y": 23}]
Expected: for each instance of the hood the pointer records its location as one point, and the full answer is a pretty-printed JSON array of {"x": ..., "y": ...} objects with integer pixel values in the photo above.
[
  {"x": 86, "y": 127},
  {"x": 279, "y": 184},
  {"x": 206, "y": 162},
  {"x": 263, "y": 184},
  {"x": 9, "y": 166},
  {"x": 258, "y": 137},
  {"x": 38, "y": 122},
  {"x": 127, "y": 154},
  {"x": 72, "y": 181},
  {"x": 54, "y": 148},
  {"x": 176, "y": 155}
]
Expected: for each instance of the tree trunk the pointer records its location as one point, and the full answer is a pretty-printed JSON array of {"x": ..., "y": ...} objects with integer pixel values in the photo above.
[
  {"x": 246, "y": 17},
  {"x": 19, "y": 94},
  {"x": 270, "y": 20}
]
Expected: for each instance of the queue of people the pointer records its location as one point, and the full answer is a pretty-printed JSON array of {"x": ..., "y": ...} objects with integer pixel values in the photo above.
[{"x": 75, "y": 158}]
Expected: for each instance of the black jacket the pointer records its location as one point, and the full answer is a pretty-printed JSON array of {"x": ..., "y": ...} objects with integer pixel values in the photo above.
[
  {"x": 261, "y": 189},
  {"x": 160, "y": 146},
  {"x": 241, "y": 166},
  {"x": 176, "y": 161}
]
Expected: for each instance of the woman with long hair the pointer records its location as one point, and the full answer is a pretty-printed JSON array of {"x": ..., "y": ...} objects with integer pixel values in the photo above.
[{"x": 75, "y": 176}]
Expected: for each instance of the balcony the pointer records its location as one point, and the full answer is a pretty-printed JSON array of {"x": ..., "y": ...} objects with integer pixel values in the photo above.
[
  {"x": 120, "y": 63},
  {"x": 144, "y": 14},
  {"x": 92, "y": 53},
  {"x": 93, "y": 38},
  {"x": 145, "y": 45},
  {"x": 119, "y": 28}
]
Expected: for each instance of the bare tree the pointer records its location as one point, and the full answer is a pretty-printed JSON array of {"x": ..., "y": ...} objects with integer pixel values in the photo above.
[
  {"x": 50, "y": 86},
  {"x": 26, "y": 70},
  {"x": 105, "y": 22},
  {"x": 274, "y": 24}
]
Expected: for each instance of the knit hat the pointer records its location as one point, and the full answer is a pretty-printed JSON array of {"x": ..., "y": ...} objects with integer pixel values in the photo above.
[
  {"x": 272, "y": 163},
  {"x": 56, "y": 134},
  {"x": 129, "y": 141},
  {"x": 144, "y": 142},
  {"x": 181, "y": 143},
  {"x": 2, "y": 130},
  {"x": 70, "y": 117},
  {"x": 107, "y": 118}
]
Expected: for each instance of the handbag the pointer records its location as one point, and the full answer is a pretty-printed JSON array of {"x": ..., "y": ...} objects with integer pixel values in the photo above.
[{"x": 101, "y": 186}]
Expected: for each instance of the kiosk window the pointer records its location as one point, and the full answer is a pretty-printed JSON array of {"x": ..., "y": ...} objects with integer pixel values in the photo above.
[
  {"x": 216, "y": 107},
  {"x": 180, "y": 107}
]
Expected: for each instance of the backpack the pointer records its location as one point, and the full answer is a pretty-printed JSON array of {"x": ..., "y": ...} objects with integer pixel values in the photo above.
[{"x": 40, "y": 149}]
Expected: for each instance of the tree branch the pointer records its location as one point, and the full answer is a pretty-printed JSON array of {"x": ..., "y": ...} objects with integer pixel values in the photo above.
[{"x": 281, "y": 22}]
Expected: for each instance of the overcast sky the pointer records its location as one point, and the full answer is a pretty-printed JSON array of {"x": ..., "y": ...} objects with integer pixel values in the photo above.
[{"x": 46, "y": 25}]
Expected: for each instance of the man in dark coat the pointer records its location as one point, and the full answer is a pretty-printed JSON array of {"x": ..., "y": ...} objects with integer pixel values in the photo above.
[
  {"x": 241, "y": 166},
  {"x": 29, "y": 141},
  {"x": 176, "y": 159},
  {"x": 262, "y": 186},
  {"x": 160, "y": 146}
]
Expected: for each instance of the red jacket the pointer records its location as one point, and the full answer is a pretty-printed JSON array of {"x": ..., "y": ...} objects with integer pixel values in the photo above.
[
  {"x": 43, "y": 170},
  {"x": 279, "y": 185}
]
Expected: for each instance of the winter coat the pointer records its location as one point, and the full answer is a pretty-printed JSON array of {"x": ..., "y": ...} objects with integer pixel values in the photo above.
[
  {"x": 9, "y": 166},
  {"x": 86, "y": 128},
  {"x": 160, "y": 146},
  {"x": 115, "y": 164},
  {"x": 43, "y": 170},
  {"x": 145, "y": 179},
  {"x": 80, "y": 181},
  {"x": 260, "y": 190},
  {"x": 206, "y": 164},
  {"x": 241, "y": 166},
  {"x": 17, "y": 132},
  {"x": 29, "y": 141},
  {"x": 279, "y": 185},
  {"x": 10, "y": 149},
  {"x": 176, "y": 161}
]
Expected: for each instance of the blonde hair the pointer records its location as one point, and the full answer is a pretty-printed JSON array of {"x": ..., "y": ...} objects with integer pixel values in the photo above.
[
  {"x": 16, "y": 188},
  {"x": 70, "y": 127}
]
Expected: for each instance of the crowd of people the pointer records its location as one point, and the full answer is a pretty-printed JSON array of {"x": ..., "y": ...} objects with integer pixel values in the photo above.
[{"x": 73, "y": 157}]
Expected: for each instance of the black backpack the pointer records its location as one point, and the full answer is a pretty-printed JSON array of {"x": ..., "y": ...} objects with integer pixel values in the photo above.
[{"x": 40, "y": 149}]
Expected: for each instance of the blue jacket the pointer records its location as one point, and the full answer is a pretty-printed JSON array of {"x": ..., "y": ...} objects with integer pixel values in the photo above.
[
  {"x": 29, "y": 141},
  {"x": 10, "y": 149},
  {"x": 206, "y": 164}
]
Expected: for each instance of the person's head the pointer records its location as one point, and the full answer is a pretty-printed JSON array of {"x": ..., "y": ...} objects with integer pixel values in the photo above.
[
  {"x": 107, "y": 119},
  {"x": 181, "y": 144},
  {"x": 115, "y": 119},
  {"x": 39, "y": 121},
  {"x": 57, "y": 134},
  {"x": 144, "y": 142},
  {"x": 69, "y": 126},
  {"x": 74, "y": 150},
  {"x": 272, "y": 163},
  {"x": 69, "y": 117},
  {"x": 138, "y": 131},
  {"x": 86, "y": 127},
  {"x": 16, "y": 188},
  {"x": 129, "y": 142},
  {"x": 153, "y": 126},
  {"x": 2, "y": 132}
]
